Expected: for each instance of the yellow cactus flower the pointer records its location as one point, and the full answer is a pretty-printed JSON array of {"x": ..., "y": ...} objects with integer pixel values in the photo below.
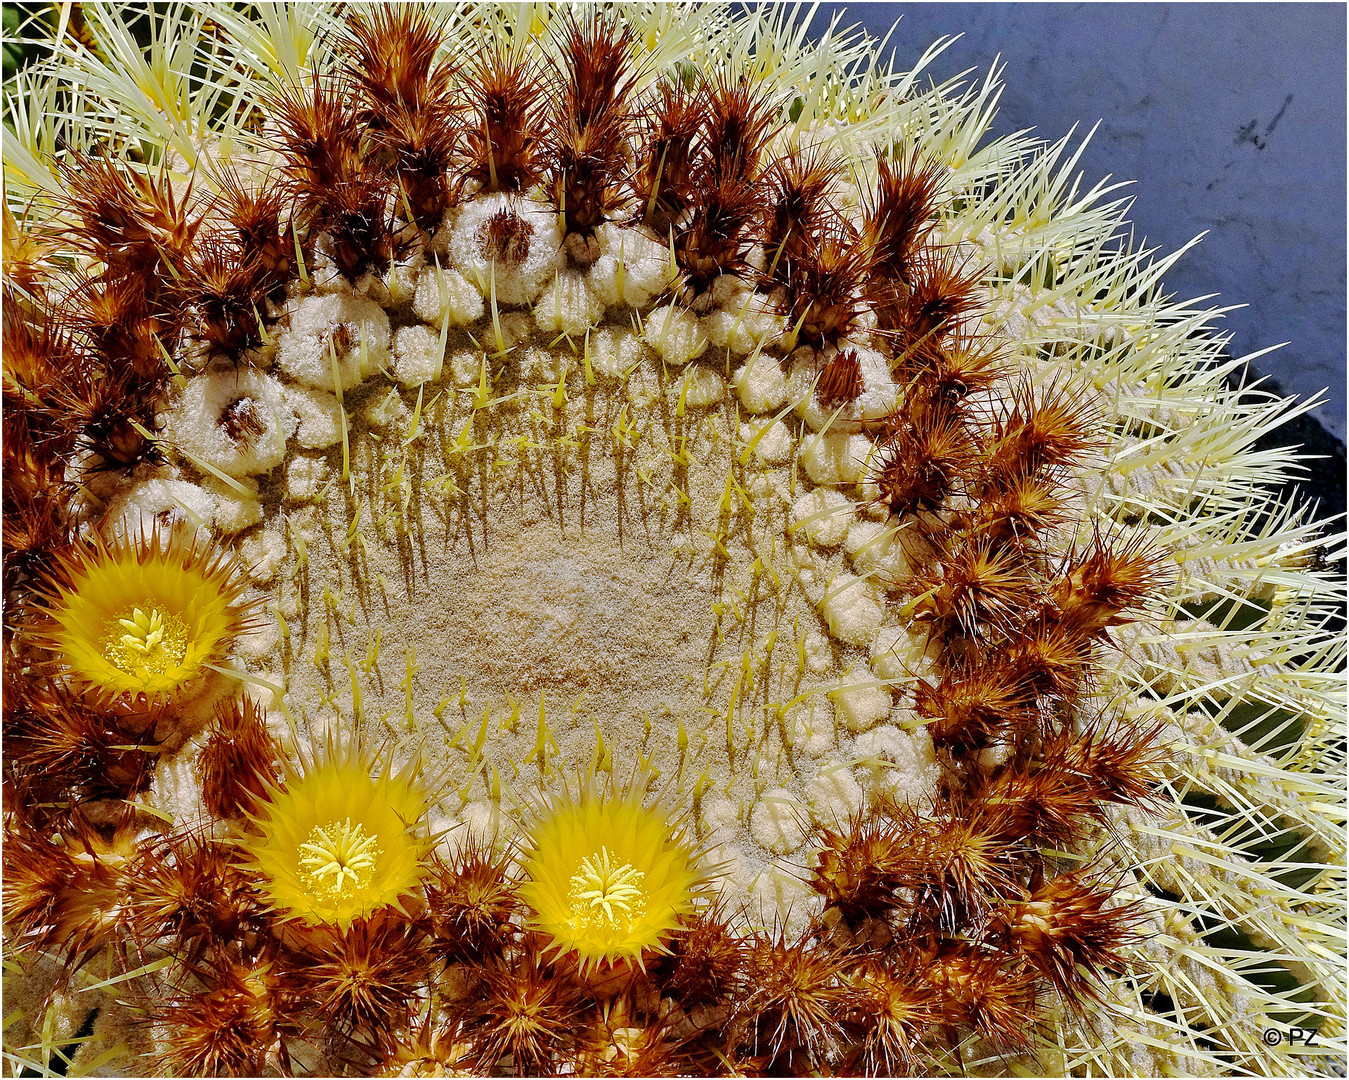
[
  {"x": 141, "y": 617},
  {"x": 334, "y": 843},
  {"x": 607, "y": 877}
]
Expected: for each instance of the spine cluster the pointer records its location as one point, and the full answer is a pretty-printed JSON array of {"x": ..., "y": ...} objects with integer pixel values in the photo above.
[{"x": 967, "y": 915}]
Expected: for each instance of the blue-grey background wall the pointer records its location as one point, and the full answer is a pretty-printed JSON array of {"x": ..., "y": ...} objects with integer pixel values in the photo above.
[{"x": 1230, "y": 117}]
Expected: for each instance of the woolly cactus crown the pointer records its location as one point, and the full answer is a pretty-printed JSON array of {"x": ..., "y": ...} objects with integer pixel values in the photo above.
[{"x": 647, "y": 384}]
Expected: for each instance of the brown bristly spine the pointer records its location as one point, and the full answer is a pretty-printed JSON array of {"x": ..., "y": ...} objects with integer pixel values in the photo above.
[
  {"x": 791, "y": 1016},
  {"x": 706, "y": 962},
  {"x": 976, "y": 703},
  {"x": 65, "y": 893},
  {"x": 503, "y": 121},
  {"x": 983, "y": 989},
  {"x": 133, "y": 223},
  {"x": 187, "y": 892},
  {"x": 840, "y": 381},
  {"x": 239, "y": 760},
  {"x": 900, "y": 217},
  {"x": 71, "y": 749},
  {"x": 522, "y": 1012},
  {"x": 666, "y": 177},
  {"x": 859, "y": 868},
  {"x": 260, "y": 220},
  {"x": 888, "y": 1012},
  {"x": 362, "y": 981},
  {"x": 326, "y": 166},
  {"x": 727, "y": 177},
  {"x": 1037, "y": 430},
  {"x": 940, "y": 303},
  {"x": 225, "y": 292},
  {"x": 823, "y": 283},
  {"x": 409, "y": 110},
  {"x": 236, "y": 1024},
  {"x": 798, "y": 206},
  {"x": 590, "y": 122},
  {"x": 1070, "y": 933},
  {"x": 471, "y": 906},
  {"x": 927, "y": 458}
]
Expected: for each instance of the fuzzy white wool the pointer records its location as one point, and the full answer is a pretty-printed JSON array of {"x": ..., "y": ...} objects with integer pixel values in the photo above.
[
  {"x": 262, "y": 553},
  {"x": 235, "y": 509},
  {"x": 878, "y": 398},
  {"x": 860, "y": 707},
  {"x": 822, "y": 516},
  {"x": 445, "y": 295},
  {"x": 808, "y": 727},
  {"x": 835, "y": 457},
  {"x": 698, "y": 388},
  {"x": 772, "y": 441},
  {"x": 633, "y": 267},
  {"x": 353, "y": 328},
  {"x": 319, "y": 415},
  {"x": 779, "y": 821},
  {"x": 416, "y": 354},
  {"x": 383, "y": 409},
  {"x": 304, "y": 477},
  {"x": 568, "y": 306},
  {"x": 852, "y": 609},
  {"x": 400, "y": 283},
  {"x": 899, "y": 764},
  {"x": 507, "y": 246},
  {"x": 719, "y": 813},
  {"x": 761, "y": 385},
  {"x": 897, "y": 651},
  {"x": 237, "y": 421},
  {"x": 834, "y": 794},
  {"x": 171, "y": 501},
  {"x": 614, "y": 352},
  {"x": 675, "y": 334}
]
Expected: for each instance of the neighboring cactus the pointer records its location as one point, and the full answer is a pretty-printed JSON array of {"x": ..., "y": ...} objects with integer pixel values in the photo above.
[{"x": 632, "y": 386}]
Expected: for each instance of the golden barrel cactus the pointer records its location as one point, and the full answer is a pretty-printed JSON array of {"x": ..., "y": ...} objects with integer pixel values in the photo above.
[{"x": 634, "y": 390}]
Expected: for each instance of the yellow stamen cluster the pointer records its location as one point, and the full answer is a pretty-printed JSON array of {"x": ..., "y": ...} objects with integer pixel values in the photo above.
[
  {"x": 601, "y": 890},
  {"x": 339, "y": 858},
  {"x": 146, "y": 641}
]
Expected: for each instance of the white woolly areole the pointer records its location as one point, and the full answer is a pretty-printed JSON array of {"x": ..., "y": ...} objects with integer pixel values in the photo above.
[
  {"x": 852, "y": 609},
  {"x": 335, "y": 324},
  {"x": 901, "y": 765},
  {"x": 879, "y": 394},
  {"x": 675, "y": 334},
  {"x": 834, "y": 794},
  {"x": 416, "y": 354},
  {"x": 772, "y": 441},
  {"x": 526, "y": 236},
  {"x": 203, "y": 507},
  {"x": 761, "y": 385},
  {"x": 236, "y": 421},
  {"x": 823, "y": 516},
  {"x": 835, "y": 457},
  {"x": 860, "y": 707},
  {"x": 779, "y": 821},
  {"x": 568, "y": 306},
  {"x": 633, "y": 267},
  {"x": 445, "y": 295},
  {"x": 319, "y": 415},
  {"x": 612, "y": 353}
]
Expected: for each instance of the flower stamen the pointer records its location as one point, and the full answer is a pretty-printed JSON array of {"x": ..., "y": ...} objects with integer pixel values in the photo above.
[
  {"x": 337, "y": 857},
  {"x": 601, "y": 890},
  {"x": 145, "y": 641}
]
